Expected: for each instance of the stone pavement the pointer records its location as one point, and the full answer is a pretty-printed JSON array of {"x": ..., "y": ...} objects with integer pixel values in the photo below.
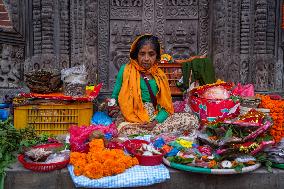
[{"x": 19, "y": 178}]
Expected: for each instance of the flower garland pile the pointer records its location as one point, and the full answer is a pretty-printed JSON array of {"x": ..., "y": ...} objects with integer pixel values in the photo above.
[
  {"x": 277, "y": 113},
  {"x": 100, "y": 162}
]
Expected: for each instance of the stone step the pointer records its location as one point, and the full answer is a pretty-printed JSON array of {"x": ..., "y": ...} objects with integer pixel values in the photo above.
[{"x": 18, "y": 177}]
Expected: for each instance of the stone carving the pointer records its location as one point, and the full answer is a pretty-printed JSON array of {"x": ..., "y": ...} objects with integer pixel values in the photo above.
[
  {"x": 91, "y": 40},
  {"x": 67, "y": 33},
  {"x": 77, "y": 31},
  {"x": 203, "y": 27},
  {"x": 245, "y": 27},
  {"x": 64, "y": 28},
  {"x": 264, "y": 75},
  {"x": 37, "y": 27},
  {"x": 181, "y": 38},
  {"x": 41, "y": 61},
  {"x": 248, "y": 30},
  {"x": 244, "y": 69},
  {"x": 279, "y": 75},
  {"x": 103, "y": 42},
  {"x": 160, "y": 21},
  {"x": 182, "y": 10},
  {"x": 120, "y": 9},
  {"x": 11, "y": 58},
  {"x": 148, "y": 16},
  {"x": 122, "y": 35}
]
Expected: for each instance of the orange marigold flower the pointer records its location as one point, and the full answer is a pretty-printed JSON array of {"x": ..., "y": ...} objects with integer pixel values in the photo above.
[{"x": 93, "y": 170}]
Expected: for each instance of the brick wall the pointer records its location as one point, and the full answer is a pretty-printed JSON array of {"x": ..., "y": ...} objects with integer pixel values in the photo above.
[{"x": 5, "y": 21}]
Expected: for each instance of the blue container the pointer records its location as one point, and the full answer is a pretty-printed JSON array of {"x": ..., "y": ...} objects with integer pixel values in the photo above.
[{"x": 4, "y": 113}]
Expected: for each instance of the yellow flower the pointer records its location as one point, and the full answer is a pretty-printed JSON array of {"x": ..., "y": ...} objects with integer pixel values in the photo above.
[{"x": 166, "y": 57}]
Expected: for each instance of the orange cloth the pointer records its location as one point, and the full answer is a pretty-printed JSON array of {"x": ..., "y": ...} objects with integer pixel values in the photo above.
[{"x": 130, "y": 100}]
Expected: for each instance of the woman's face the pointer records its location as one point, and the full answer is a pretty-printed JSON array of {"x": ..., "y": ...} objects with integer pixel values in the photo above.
[{"x": 147, "y": 56}]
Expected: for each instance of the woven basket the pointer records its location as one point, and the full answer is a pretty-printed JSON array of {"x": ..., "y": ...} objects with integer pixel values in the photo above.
[{"x": 43, "y": 80}]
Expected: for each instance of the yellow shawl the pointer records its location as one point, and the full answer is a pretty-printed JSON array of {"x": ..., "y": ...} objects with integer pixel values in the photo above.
[{"x": 130, "y": 99}]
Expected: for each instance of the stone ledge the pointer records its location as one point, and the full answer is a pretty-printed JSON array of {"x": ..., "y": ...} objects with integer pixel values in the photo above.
[{"x": 19, "y": 178}]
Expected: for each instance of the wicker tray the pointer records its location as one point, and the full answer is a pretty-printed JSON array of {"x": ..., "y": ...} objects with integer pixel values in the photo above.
[{"x": 210, "y": 171}]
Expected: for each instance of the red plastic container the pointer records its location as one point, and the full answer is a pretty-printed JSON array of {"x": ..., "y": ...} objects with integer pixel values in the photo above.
[
  {"x": 133, "y": 144},
  {"x": 44, "y": 167},
  {"x": 150, "y": 160}
]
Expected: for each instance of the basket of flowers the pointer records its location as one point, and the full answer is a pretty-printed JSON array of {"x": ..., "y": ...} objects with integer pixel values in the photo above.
[{"x": 45, "y": 157}]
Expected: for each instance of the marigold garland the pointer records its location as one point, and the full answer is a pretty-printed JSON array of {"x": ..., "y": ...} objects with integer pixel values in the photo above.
[
  {"x": 277, "y": 114},
  {"x": 100, "y": 162}
]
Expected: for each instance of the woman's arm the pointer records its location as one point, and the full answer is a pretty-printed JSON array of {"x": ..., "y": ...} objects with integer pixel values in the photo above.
[{"x": 118, "y": 83}]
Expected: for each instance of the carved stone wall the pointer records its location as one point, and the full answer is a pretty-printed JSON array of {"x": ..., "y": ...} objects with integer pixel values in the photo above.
[
  {"x": 243, "y": 38},
  {"x": 12, "y": 48},
  {"x": 182, "y": 27},
  {"x": 244, "y": 42}
]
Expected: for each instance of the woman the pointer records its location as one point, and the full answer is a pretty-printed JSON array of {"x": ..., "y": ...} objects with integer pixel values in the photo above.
[{"x": 143, "y": 94}]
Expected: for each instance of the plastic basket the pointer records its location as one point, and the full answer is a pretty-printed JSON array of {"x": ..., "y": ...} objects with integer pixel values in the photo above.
[
  {"x": 53, "y": 118},
  {"x": 43, "y": 167},
  {"x": 174, "y": 72},
  {"x": 149, "y": 160}
]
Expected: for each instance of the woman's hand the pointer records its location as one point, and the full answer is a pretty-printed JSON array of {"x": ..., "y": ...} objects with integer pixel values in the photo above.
[
  {"x": 150, "y": 126},
  {"x": 113, "y": 111}
]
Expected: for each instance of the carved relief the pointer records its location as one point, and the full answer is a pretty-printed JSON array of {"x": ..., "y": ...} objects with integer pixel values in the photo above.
[
  {"x": 103, "y": 43},
  {"x": 260, "y": 27},
  {"x": 121, "y": 9},
  {"x": 37, "y": 27},
  {"x": 182, "y": 9},
  {"x": 245, "y": 27},
  {"x": 160, "y": 21},
  {"x": 203, "y": 27},
  {"x": 264, "y": 77},
  {"x": 233, "y": 71},
  {"x": 148, "y": 16},
  {"x": 122, "y": 33},
  {"x": 91, "y": 40},
  {"x": 121, "y": 36},
  {"x": 244, "y": 69},
  {"x": 181, "y": 38},
  {"x": 40, "y": 61},
  {"x": 11, "y": 59},
  {"x": 77, "y": 22}
]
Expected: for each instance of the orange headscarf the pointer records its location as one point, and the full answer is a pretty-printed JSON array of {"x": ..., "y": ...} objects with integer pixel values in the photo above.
[{"x": 130, "y": 99}]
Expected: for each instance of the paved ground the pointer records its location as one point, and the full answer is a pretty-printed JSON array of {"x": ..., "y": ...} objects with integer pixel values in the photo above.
[{"x": 20, "y": 178}]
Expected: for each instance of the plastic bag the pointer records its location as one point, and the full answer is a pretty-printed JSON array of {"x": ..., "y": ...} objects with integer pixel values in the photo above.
[
  {"x": 74, "y": 80},
  {"x": 107, "y": 130},
  {"x": 101, "y": 118},
  {"x": 79, "y": 138},
  {"x": 77, "y": 74},
  {"x": 216, "y": 92},
  {"x": 244, "y": 90}
]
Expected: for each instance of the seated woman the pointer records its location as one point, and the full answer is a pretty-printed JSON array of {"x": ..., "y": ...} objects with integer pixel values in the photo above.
[{"x": 143, "y": 94}]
